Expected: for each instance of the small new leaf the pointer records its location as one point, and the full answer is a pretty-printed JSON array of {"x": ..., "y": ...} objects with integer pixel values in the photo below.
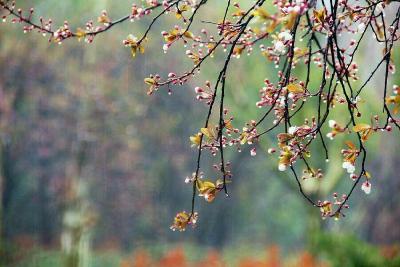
[{"x": 295, "y": 88}]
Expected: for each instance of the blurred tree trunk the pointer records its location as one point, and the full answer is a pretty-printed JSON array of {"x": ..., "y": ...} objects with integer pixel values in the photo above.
[
  {"x": 314, "y": 226},
  {"x": 7, "y": 184},
  {"x": 10, "y": 106},
  {"x": 44, "y": 197},
  {"x": 1, "y": 190},
  {"x": 45, "y": 215},
  {"x": 78, "y": 218},
  {"x": 4, "y": 183},
  {"x": 2, "y": 232}
]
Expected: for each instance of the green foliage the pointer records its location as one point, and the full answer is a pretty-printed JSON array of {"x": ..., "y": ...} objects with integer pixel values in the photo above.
[{"x": 346, "y": 250}]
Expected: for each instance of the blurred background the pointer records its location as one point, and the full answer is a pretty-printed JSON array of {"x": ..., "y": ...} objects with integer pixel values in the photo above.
[{"x": 92, "y": 169}]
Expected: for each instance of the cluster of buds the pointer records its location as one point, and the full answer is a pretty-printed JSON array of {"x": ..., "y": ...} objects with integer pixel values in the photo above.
[
  {"x": 294, "y": 144},
  {"x": 139, "y": 12},
  {"x": 311, "y": 173},
  {"x": 268, "y": 94},
  {"x": 208, "y": 138},
  {"x": 327, "y": 207},
  {"x": 44, "y": 27},
  {"x": 292, "y": 7},
  {"x": 62, "y": 33},
  {"x": 11, "y": 7},
  {"x": 134, "y": 44},
  {"x": 153, "y": 82},
  {"x": 395, "y": 99},
  {"x": 336, "y": 129},
  {"x": 87, "y": 33},
  {"x": 184, "y": 219},
  {"x": 205, "y": 94},
  {"x": 208, "y": 189},
  {"x": 192, "y": 178},
  {"x": 248, "y": 136},
  {"x": 318, "y": 60},
  {"x": 104, "y": 19},
  {"x": 350, "y": 71},
  {"x": 177, "y": 33},
  {"x": 225, "y": 171},
  {"x": 153, "y": 3},
  {"x": 296, "y": 92},
  {"x": 286, "y": 158},
  {"x": 350, "y": 156},
  {"x": 282, "y": 42}
]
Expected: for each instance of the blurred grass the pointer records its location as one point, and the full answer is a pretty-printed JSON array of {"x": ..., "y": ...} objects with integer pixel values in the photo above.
[{"x": 342, "y": 250}]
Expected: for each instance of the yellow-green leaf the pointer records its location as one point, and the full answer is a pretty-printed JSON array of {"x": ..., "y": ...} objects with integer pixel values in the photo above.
[
  {"x": 361, "y": 127},
  {"x": 295, "y": 88},
  {"x": 195, "y": 139}
]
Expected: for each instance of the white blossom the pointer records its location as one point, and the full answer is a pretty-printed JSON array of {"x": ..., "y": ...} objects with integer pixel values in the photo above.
[
  {"x": 332, "y": 123},
  {"x": 329, "y": 135},
  {"x": 379, "y": 9},
  {"x": 292, "y": 129},
  {"x": 279, "y": 47},
  {"x": 349, "y": 167},
  {"x": 366, "y": 187},
  {"x": 282, "y": 167},
  {"x": 285, "y": 36}
]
